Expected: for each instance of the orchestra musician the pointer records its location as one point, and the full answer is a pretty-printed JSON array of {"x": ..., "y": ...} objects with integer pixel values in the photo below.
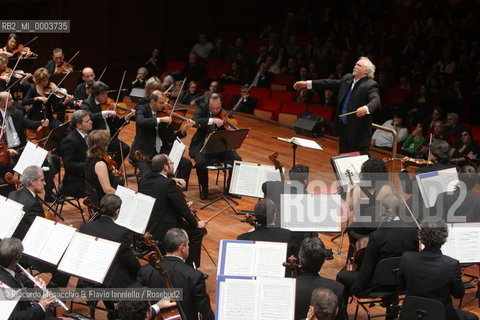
[
  {"x": 392, "y": 238},
  {"x": 14, "y": 124},
  {"x": 11, "y": 251},
  {"x": 444, "y": 278},
  {"x": 207, "y": 119},
  {"x": 12, "y": 44},
  {"x": 152, "y": 84},
  {"x": 140, "y": 79},
  {"x": 323, "y": 305},
  {"x": 170, "y": 209},
  {"x": 195, "y": 302},
  {"x": 40, "y": 96},
  {"x": 312, "y": 256},
  {"x": 7, "y": 77},
  {"x": 73, "y": 150},
  {"x": 131, "y": 309},
  {"x": 33, "y": 181},
  {"x": 100, "y": 172},
  {"x": 154, "y": 135},
  {"x": 82, "y": 90},
  {"x": 125, "y": 266},
  {"x": 107, "y": 119},
  {"x": 58, "y": 63}
]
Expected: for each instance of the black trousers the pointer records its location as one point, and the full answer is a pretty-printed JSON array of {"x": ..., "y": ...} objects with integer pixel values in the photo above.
[
  {"x": 203, "y": 160},
  {"x": 343, "y": 144}
]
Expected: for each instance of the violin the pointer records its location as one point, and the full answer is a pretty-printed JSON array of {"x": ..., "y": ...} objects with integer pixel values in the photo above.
[
  {"x": 16, "y": 74},
  {"x": 355, "y": 261},
  {"x": 178, "y": 117},
  {"x": 64, "y": 68},
  {"x": 120, "y": 108},
  {"x": 411, "y": 162},
  {"x": 292, "y": 265},
  {"x": 155, "y": 258},
  {"x": 23, "y": 50},
  {"x": 58, "y": 92},
  {"x": 228, "y": 123},
  {"x": 112, "y": 165}
]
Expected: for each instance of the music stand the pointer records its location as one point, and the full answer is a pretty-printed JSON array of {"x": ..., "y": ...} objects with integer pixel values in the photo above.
[
  {"x": 56, "y": 136},
  {"x": 223, "y": 141}
]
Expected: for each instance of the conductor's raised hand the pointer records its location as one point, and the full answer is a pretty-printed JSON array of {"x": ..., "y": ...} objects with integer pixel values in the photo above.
[
  {"x": 362, "y": 111},
  {"x": 299, "y": 85}
]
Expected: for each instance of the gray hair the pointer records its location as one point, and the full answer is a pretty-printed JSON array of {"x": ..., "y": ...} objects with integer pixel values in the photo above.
[
  {"x": 11, "y": 250},
  {"x": 369, "y": 67},
  {"x": 143, "y": 69},
  {"x": 109, "y": 204},
  {"x": 173, "y": 239},
  {"x": 439, "y": 148},
  {"x": 30, "y": 173},
  {"x": 77, "y": 117}
]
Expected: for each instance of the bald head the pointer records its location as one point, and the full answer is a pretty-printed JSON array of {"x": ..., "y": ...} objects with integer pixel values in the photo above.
[{"x": 88, "y": 75}]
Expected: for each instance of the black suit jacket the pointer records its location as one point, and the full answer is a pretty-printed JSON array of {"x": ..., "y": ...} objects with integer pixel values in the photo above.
[
  {"x": 201, "y": 116},
  {"x": 73, "y": 150},
  {"x": 147, "y": 130},
  {"x": 81, "y": 91},
  {"x": 431, "y": 274},
  {"x": 365, "y": 92},
  {"x": 97, "y": 118},
  {"x": 24, "y": 310},
  {"x": 125, "y": 266},
  {"x": 170, "y": 209},
  {"x": 21, "y": 123},
  {"x": 306, "y": 283},
  {"x": 195, "y": 297},
  {"x": 32, "y": 208},
  {"x": 392, "y": 239}
]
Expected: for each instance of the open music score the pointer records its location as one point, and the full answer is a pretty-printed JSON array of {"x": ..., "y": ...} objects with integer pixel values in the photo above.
[
  {"x": 176, "y": 153},
  {"x": 89, "y": 257},
  {"x": 463, "y": 242},
  {"x": 47, "y": 240},
  {"x": 8, "y": 302},
  {"x": 431, "y": 184},
  {"x": 302, "y": 142},
  {"x": 261, "y": 298},
  {"x": 251, "y": 258},
  {"x": 313, "y": 213},
  {"x": 247, "y": 178},
  {"x": 352, "y": 163},
  {"x": 11, "y": 213},
  {"x": 135, "y": 210},
  {"x": 32, "y": 155}
]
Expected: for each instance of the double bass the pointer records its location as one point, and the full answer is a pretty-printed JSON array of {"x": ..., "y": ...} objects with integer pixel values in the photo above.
[{"x": 155, "y": 259}]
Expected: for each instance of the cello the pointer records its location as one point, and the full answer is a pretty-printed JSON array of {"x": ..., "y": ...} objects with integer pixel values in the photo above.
[{"x": 155, "y": 259}]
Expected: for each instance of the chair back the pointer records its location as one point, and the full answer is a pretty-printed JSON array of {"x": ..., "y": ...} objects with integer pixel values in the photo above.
[
  {"x": 54, "y": 165},
  {"x": 386, "y": 271},
  {"x": 419, "y": 308}
]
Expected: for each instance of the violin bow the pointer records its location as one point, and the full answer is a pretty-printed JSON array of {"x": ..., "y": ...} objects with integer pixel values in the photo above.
[
  {"x": 103, "y": 72},
  {"x": 119, "y": 90},
  {"x": 238, "y": 102},
  {"x": 410, "y": 211},
  {"x": 34, "y": 38},
  {"x": 176, "y": 100},
  {"x": 68, "y": 62},
  {"x": 169, "y": 88}
]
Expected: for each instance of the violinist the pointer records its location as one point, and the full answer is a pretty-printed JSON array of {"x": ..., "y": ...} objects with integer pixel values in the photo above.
[
  {"x": 103, "y": 116},
  {"x": 170, "y": 209},
  {"x": 98, "y": 169},
  {"x": 207, "y": 120},
  {"x": 152, "y": 84},
  {"x": 82, "y": 91},
  {"x": 154, "y": 133},
  {"x": 196, "y": 302},
  {"x": 12, "y": 47},
  {"x": 312, "y": 256},
  {"x": 7, "y": 77},
  {"x": 43, "y": 102},
  {"x": 58, "y": 63},
  {"x": 140, "y": 80}
]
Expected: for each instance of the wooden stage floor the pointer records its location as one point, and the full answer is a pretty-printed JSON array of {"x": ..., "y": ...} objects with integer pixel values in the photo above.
[{"x": 257, "y": 147}]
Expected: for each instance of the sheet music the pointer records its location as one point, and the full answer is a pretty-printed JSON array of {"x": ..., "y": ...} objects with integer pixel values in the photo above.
[
  {"x": 302, "y": 142},
  {"x": 11, "y": 213},
  {"x": 247, "y": 258},
  {"x": 176, "y": 153},
  {"x": 353, "y": 164},
  {"x": 89, "y": 257},
  {"x": 463, "y": 242},
  {"x": 47, "y": 240},
  {"x": 276, "y": 298},
  {"x": 32, "y": 155},
  {"x": 8, "y": 303},
  {"x": 314, "y": 213},
  {"x": 262, "y": 298},
  {"x": 247, "y": 178},
  {"x": 135, "y": 210},
  {"x": 431, "y": 184},
  {"x": 269, "y": 257}
]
